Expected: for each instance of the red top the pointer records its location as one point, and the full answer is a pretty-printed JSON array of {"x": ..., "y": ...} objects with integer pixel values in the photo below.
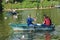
[{"x": 47, "y": 21}]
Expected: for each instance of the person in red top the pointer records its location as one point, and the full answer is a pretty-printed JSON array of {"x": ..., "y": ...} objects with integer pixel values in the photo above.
[{"x": 47, "y": 21}]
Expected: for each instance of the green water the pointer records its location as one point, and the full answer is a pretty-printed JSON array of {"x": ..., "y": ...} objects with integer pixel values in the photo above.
[
  {"x": 53, "y": 13},
  {"x": 33, "y": 36}
]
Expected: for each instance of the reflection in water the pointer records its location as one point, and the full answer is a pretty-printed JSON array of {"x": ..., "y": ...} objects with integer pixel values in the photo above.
[
  {"x": 27, "y": 35},
  {"x": 22, "y": 16}
]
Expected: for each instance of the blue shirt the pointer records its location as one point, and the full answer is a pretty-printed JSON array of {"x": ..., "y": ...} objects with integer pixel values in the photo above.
[{"x": 29, "y": 21}]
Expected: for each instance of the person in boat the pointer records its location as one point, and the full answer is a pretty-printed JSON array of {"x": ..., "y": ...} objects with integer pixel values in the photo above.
[
  {"x": 14, "y": 12},
  {"x": 47, "y": 21},
  {"x": 30, "y": 20}
]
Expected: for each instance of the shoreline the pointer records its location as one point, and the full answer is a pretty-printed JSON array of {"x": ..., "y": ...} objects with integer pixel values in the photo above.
[{"x": 29, "y": 8}]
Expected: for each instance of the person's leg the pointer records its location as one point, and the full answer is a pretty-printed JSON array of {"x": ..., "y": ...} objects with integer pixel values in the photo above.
[{"x": 44, "y": 25}]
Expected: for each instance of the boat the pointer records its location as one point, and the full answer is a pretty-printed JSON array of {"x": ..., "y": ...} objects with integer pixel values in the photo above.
[{"x": 17, "y": 26}]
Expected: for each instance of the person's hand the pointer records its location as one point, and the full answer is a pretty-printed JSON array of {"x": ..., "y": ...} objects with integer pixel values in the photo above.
[{"x": 34, "y": 19}]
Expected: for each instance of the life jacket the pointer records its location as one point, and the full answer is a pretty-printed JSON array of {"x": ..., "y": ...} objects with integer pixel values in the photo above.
[{"x": 47, "y": 21}]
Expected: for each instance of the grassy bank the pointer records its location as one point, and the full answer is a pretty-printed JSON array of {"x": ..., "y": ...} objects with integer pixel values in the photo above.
[{"x": 28, "y": 4}]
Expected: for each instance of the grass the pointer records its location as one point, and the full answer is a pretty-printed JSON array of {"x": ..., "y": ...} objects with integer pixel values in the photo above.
[{"x": 28, "y": 4}]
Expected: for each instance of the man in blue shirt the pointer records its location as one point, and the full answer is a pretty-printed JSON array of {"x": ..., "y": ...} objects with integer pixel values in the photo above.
[{"x": 30, "y": 20}]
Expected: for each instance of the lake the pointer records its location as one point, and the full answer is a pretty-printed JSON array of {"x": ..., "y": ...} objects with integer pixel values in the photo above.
[{"x": 53, "y": 13}]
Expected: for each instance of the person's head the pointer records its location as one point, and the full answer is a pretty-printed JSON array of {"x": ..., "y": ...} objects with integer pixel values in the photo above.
[
  {"x": 13, "y": 10},
  {"x": 29, "y": 15},
  {"x": 45, "y": 16}
]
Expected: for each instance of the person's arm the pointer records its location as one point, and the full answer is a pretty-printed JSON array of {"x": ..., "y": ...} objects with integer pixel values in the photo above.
[
  {"x": 44, "y": 21},
  {"x": 34, "y": 19}
]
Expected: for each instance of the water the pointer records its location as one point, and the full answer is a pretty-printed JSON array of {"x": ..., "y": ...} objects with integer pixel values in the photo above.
[
  {"x": 24, "y": 35},
  {"x": 53, "y": 13}
]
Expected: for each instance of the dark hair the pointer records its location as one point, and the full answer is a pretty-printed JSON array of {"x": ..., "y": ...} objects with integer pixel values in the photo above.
[{"x": 45, "y": 16}]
